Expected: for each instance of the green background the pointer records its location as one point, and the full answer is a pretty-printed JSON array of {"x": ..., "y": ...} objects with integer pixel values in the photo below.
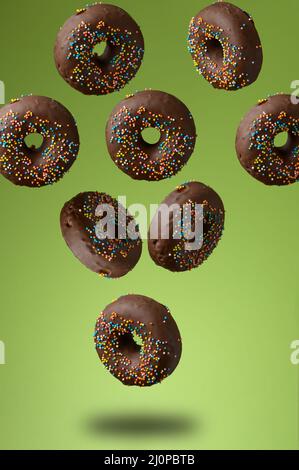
[{"x": 238, "y": 313}]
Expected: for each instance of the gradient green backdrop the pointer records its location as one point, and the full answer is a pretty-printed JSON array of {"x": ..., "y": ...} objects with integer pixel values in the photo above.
[{"x": 235, "y": 386}]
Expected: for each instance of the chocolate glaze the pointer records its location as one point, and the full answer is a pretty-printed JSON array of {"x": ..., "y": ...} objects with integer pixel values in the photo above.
[
  {"x": 34, "y": 167},
  {"x": 107, "y": 257},
  {"x": 74, "y": 53},
  {"x": 132, "y": 154},
  {"x": 156, "y": 329},
  {"x": 255, "y": 145},
  {"x": 225, "y": 46},
  {"x": 171, "y": 253}
]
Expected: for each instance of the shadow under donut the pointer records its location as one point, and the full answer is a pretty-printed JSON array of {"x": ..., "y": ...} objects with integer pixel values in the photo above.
[{"x": 140, "y": 424}]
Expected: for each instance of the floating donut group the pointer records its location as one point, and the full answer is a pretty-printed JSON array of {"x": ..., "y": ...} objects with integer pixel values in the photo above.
[{"x": 136, "y": 338}]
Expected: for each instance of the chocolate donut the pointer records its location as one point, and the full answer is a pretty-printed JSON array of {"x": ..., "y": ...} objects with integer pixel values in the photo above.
[
  {"x": 181, "y": 237},
  {"x": 255, "y": 144},
  {"x": 101, "y": 234},
  {"x": 150, "y": 109},
  {"x": 84, "y": 69},
  {"x": 138, "y": 340},
  {"x": 30, "y": 166},
  {"x": 225, "y": 46}
]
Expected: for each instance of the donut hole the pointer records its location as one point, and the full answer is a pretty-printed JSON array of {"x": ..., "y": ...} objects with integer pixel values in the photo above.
[
  {"x": 137, "y": 339},
  {"x": 101, "y": 51},
  {"x": 34, "y": 141},
  {"x": 214, "y": 50},
  {"x": 281, "y": 139},
  {"x": 151, "y": 135},
  {"x": 130, "y": 344}
]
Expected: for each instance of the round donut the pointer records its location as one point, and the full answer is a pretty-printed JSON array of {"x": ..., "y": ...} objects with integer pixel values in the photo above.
[
  {"x": 85, "y": 70},
  {"x": 225, "y": 46},
  {"x": 255, "y": 143},
  {"x": 150, "y": 109},
  {"x": 30, "y": 166},
  {"x": 110, "y": 254},
  {"x": 137, "y": 340},
  {"x": 169, "y": 246}
]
